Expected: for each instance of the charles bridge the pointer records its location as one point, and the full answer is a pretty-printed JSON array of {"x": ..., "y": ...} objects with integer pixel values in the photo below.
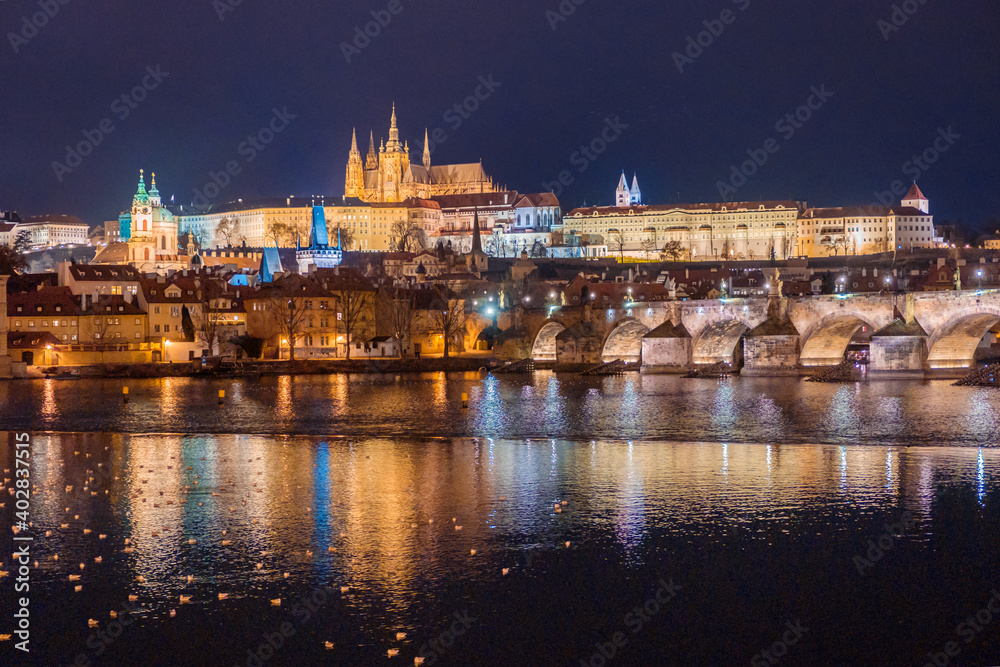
[{"x": 912, "y": 334}]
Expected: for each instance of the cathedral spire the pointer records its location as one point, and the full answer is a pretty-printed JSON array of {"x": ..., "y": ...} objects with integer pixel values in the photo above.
[
  {"x": 427, "y": 151},
  {"x": 354, "y": 142},
  {"x": 477, "y": 241},
  {"x": 371, "y": 162},
  {"x": 393, "y": 144}
]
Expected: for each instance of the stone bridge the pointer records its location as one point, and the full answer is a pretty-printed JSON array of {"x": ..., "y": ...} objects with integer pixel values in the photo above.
[{"x": 912, "y": 333}]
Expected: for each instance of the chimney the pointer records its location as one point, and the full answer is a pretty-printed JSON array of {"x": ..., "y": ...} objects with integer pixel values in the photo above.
[{"x": 83, "y": 301}]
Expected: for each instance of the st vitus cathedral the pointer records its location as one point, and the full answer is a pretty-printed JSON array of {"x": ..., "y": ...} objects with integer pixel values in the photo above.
[{"x": 389, "y": 176}]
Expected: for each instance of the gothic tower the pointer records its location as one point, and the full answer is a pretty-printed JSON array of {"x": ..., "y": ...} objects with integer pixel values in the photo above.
[
  {"x": 355, "y": 184},
  {"x": 635, "y": 196},
  {"x": 393, "y": 160},
  {"x": 622, "y": 195}
]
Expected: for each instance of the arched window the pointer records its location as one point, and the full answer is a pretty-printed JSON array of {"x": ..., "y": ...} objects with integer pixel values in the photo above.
[{"x": 163, "y": 242}]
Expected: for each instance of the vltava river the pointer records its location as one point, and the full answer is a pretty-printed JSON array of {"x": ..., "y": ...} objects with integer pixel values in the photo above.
[
  {"x": 704, "y": 522},
  {"x": 756, "y": 410}
]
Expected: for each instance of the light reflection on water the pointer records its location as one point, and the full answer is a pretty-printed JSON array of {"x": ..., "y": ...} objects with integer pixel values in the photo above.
[
  {"x": 543, "y": 405},
  {"x": 387, "y": 507}
]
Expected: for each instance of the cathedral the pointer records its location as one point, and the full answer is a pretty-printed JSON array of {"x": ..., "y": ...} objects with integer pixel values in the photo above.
[{"x": 388, "y": 176}]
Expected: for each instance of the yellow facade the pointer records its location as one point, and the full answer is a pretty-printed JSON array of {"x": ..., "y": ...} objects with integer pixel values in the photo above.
[{"x": 753, "y": 230}]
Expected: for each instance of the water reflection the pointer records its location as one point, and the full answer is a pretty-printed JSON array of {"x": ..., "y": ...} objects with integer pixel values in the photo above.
[
  {"x": 544, "y": 405},
  {"x": 396, "y": 519}
]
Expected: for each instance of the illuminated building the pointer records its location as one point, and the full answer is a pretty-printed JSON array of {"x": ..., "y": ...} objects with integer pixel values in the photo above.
[{"x": 389, "y": 176}]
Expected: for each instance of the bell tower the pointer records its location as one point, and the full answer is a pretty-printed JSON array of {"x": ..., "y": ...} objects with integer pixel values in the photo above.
[
  {"x": 622, "y": 195},
  {"x": 142, "y": 244}
]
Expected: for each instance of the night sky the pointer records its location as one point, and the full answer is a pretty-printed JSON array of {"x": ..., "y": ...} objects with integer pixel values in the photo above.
[{"x": 892, "y": 92}]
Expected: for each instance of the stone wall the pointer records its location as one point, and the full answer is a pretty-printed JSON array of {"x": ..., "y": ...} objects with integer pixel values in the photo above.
[
  {"x": 770, "y": 354},
  {"x": 898, "y": 355},
  {"x": 666, "y": 355}
]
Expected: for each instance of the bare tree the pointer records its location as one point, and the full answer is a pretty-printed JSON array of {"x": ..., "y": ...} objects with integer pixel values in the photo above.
[
  {"x": 346, "y": 237},
  {"x": 355, "y": 298},
  {"x": 100, "y": 325},
  {"x": 282, "y": 234},
  {"x": 786, "y": 246},
  {"x": 229, "y": 231},
  {"x": 407, "y": 236},
  {"x": 286, "y": 316},
  {"x": 616, "y": 242},
  {"x": 448, "y": 317},
  {"x": 647, "y": 246},
  {"x": 396, "y": 312},
  {"x": 208, "y": 330}
]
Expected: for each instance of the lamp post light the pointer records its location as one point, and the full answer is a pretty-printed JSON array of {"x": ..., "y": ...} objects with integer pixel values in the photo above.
[{"x": 979, "y": 274}]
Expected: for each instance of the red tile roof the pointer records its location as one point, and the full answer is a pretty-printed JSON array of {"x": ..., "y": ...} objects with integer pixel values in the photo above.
[
  {"x": 19, "y": 340},
  {"x": 915, "y": 193},
  {"x": 46, "y": 298}
]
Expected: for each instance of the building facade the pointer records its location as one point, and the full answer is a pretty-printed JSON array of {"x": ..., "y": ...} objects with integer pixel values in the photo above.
[
  {"x": 49, "y": 231},
  {"x": 741, "y": 230},
  {"x": 863, "y": 230}
]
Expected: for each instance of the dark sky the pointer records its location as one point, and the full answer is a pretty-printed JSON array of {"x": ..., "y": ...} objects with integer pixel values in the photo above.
[{"x": 890, "y": 97}]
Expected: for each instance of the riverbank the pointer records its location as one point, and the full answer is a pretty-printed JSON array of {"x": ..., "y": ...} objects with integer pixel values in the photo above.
[{"x": 258, "y": 368}]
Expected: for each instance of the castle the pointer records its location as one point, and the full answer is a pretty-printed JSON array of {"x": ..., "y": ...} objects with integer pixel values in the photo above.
[{"x": 389, "y": 176}]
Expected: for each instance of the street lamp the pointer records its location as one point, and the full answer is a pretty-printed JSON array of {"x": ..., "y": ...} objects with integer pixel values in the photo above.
[{"x": 979, "y": 274}]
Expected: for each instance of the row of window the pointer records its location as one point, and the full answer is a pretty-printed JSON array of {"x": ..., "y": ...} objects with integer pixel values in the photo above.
[{"x": 114, "y": 321}]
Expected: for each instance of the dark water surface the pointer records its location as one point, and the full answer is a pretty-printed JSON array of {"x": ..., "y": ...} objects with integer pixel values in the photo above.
[
  {"x": 704, "y": 522},
  {"x": 545, "y": 405}
]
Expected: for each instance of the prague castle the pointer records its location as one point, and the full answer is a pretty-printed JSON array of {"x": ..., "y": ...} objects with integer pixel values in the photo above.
[{"x": 389, "y": 176}]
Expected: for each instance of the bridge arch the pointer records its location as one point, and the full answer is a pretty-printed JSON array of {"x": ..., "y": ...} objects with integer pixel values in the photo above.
[
  {"x": 954, "y": 343},
  {"x": 544, "y": 347},
  {"x": 718, "y": 342},
  {"x": 826, "y": 341},
  {"x": 625, "y": 342}
]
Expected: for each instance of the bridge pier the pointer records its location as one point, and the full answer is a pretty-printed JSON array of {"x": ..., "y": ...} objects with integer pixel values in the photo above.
[
  {"x": 771, "y": 349},
  {"x": 579, "y": 345},
  {"x": 666, "y": 349},
  {"x": 899, "y": 350}
]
